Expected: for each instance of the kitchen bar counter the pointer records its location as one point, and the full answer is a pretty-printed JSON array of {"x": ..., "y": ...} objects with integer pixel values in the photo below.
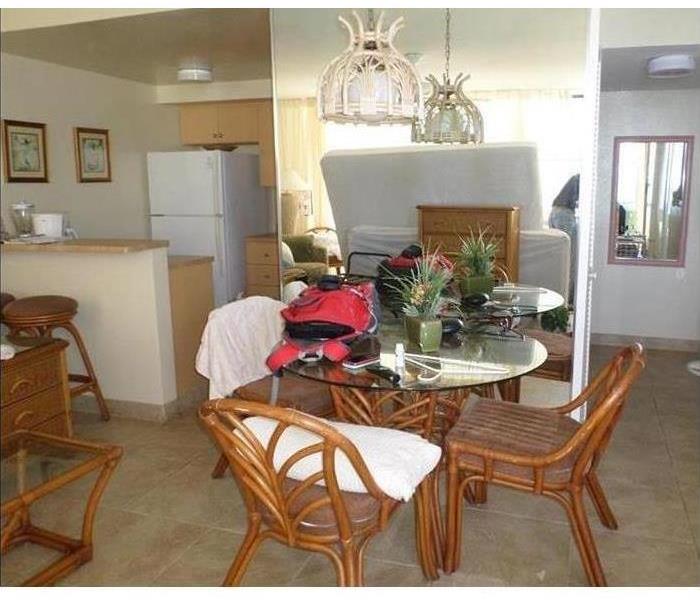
[
  {"x": 124, "y": 314},
  {"x": 97, "y": 245}
]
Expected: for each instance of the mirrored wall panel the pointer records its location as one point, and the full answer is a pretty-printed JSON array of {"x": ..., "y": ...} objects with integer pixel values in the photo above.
[{"x": 650, "y": 196}]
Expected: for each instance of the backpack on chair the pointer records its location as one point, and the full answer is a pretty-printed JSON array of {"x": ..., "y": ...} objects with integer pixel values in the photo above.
[{"x": 324, "y": 319}]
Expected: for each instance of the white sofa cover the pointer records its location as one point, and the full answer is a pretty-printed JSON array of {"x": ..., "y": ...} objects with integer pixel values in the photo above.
[{"x": 374, "y": 193}]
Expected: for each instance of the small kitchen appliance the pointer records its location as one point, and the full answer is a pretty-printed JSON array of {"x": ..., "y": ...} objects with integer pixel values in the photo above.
[
  {"x": 48, "y": 224},
  {"x": 22, "y": 217}
]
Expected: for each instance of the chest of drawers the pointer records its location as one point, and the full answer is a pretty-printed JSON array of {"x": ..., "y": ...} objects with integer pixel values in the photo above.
[
  {"x": 262, "y": 268},
  {"x": 443, "y": 225},
  {"x": 35, "y": 391}
]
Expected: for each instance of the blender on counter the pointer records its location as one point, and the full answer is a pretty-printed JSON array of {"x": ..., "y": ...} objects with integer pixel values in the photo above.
[{"x": 22, "y": 217}]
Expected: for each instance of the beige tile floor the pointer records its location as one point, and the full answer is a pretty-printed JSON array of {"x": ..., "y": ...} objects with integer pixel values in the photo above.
[{"x": 164, "y": 521}]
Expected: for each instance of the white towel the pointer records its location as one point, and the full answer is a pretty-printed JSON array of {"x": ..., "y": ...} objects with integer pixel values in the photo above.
[{"x": 237, "y": 340}]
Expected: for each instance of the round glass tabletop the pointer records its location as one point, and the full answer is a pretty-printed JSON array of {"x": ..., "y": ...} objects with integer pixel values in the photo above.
[
  {"x": 464, "y": 360},
  {"x": 522, "y": 300}
]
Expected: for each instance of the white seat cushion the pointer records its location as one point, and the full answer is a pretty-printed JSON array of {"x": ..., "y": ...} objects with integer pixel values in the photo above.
[{"x": 397, "y": 460}]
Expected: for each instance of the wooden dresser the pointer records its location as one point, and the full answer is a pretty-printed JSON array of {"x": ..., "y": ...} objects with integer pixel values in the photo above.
[
  {"x": 443, "y": 225},
  {"x": 262, "y": 266},
  {"x": 35, "y": 391}
]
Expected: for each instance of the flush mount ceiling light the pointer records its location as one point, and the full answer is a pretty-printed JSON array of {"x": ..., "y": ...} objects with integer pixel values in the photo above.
[
  {"x": 371, "y": 82},
  {"x": 450, "y": 117},
  {"x": 669, "y": 66},
  {"x": 199, "y": 74}
]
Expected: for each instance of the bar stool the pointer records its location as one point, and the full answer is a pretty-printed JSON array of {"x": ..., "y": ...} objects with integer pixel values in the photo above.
[
  {"x": 5, "y": 298},
  {"x": 39, "y": 316}
]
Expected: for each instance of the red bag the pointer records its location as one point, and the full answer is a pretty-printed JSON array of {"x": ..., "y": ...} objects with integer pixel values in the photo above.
[{"x": 321, "y": 322}]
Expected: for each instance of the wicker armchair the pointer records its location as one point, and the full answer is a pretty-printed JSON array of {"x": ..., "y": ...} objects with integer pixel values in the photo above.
[
  {"x": 541, "y": 451},
  {"x": 312, "y": 514}
]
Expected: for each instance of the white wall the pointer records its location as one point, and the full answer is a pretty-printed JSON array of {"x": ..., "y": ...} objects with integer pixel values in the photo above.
[
  {"x": 627, "y": 27},
  {"x": 63, "y": 98},
  {"x": 662, "y": 302}
]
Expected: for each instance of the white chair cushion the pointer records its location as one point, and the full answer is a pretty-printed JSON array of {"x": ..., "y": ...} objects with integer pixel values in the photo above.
[{"x": 397, "y": 460}]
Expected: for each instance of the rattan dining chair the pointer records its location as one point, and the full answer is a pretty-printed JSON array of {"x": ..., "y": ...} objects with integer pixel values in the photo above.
[
  {"x": 313, "y": 514},
  {"x": 541, "y": 451}
]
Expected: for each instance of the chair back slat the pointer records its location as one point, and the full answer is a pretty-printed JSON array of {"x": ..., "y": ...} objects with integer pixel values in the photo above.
[{"x": 269, "y": 490}]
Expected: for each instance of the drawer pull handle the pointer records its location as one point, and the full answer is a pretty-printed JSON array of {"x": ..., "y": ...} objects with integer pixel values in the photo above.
[
  {"x": 24, "y": 415},
  {"x": 20, "y": 383}
]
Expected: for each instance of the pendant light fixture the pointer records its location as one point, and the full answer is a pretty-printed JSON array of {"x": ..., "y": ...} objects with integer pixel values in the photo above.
[
  {"x": 371, "y": 82},
  {"x": 450, "y": 117}
]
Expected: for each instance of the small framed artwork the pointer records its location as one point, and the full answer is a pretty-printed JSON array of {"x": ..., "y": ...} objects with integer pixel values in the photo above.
[
  {"x": 92, "y": 155},
  {"x": 25, "y": 152}
]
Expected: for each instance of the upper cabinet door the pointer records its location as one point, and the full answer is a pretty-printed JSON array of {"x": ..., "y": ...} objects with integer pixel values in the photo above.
[
  {"x": 238, "y": 122},
  {"x": 199, "y": 123},
  {"x": 267, "y": 144}
]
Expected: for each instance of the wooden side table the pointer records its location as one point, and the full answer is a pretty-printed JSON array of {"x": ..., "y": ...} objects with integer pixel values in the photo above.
[{"x": 33, "y": 466}]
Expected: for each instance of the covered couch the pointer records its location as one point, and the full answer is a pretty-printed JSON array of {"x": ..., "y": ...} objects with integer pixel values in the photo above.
[{"x": 374, "y": 194}]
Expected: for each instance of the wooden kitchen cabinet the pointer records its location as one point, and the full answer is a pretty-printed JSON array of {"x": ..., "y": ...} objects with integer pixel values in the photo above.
[
  {"x": 199, "y": 123},
  {"x": 237, "y": 122},
  {"x": 266, "y": 137}
]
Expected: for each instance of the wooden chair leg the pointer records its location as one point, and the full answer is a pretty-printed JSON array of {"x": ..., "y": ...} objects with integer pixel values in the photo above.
[
  {"x": 585, "y": 540},
  {"x": 245, "y": 553},
  {"x": 424, "y": 527},
  {"x": 220, "y": 467},
  {"x": 605, "y": 513},
  {"x": 453, "y": 522},
  {"x": 480, "y": 494},
  {"x": 349, "y": 560},
  {"x": 510, "y": 390},
  {"x": 95, "y": 386}
]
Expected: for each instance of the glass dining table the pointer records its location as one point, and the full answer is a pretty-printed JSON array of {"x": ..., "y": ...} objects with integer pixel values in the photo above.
[{"x": 430, "y": 392}]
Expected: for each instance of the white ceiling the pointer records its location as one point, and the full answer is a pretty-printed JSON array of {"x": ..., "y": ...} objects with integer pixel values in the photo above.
[
  {"x": 625, "y": 69},
  {"x": 150, "y": 48},
  {"x": 501, "y": 48}
]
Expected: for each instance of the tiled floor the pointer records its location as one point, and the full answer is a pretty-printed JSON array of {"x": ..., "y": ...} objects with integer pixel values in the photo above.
[{"x": 164, "y": 521}]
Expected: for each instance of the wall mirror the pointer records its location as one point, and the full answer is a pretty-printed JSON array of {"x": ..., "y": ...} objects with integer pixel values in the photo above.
[
  {"x": 650, "y": 196},
  {"x": 360, "y": 184}
]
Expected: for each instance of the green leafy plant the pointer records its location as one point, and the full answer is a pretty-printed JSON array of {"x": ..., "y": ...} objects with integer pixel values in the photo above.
[
  {"x": 477, "y": 253},
  {"x": 556, "y": 319},
  {"x": 421, "y": 293}
]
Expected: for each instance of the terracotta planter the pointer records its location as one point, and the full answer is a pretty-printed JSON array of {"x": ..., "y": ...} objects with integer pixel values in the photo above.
[
  {"x": 483, "y": 284},
  {"x": 424, "y": 333}
]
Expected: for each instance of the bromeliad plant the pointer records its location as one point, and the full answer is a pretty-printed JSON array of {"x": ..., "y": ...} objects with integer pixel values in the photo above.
[
  {"x": 477, "y": 254},
  {"x": 422, "y": 292}
]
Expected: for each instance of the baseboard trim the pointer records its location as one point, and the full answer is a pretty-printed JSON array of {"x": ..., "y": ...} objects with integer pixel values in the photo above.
[
  {"x": 145, "y": 411},
  {"x": 652, "y": 343}
]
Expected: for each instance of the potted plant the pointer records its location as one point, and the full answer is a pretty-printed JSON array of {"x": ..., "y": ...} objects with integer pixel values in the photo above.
[
  {"x": 422, "y": 299},
  {"x": 475, "y": 258},
  {"x": 555, "y": 320}
]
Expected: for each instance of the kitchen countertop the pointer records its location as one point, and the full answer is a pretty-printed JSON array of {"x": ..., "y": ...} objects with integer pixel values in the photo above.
[
  {"x": 175, "y": 262},
  {"x": 104, "y": 246}
]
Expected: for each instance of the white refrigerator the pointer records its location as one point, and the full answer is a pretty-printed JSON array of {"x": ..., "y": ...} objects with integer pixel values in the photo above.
[{"x": 205, "y": 203}]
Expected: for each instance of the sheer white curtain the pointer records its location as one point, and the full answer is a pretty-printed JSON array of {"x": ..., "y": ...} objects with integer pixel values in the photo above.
[
  {"x": 552, "y": 119},
  {"x": 302, "y": 144}
]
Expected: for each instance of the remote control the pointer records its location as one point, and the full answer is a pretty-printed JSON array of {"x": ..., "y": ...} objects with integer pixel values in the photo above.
[{"x": 384, "y": 373}]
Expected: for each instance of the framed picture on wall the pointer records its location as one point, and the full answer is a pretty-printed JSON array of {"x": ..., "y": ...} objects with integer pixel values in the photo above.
[
  {"x": 92, "y": 155},
  {"x": 25, "y": 152}
]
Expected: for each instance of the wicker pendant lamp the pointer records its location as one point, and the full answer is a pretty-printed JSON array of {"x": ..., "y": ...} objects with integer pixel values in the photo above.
[
  {"x": 370, "y": 82},
  {"x": 450, "y": 117}
]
